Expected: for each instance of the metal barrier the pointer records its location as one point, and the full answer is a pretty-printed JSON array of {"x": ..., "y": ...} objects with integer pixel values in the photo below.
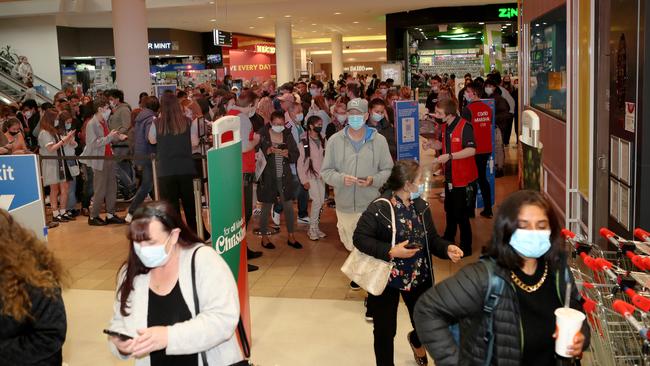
[{"x": 198, "y": 208}]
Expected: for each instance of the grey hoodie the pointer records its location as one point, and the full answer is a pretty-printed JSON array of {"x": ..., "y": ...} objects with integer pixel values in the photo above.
[{"x": 341, "y": 159}]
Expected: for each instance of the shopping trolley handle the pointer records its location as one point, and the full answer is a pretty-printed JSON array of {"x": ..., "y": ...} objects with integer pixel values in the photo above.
[
  {"x": 642, "y": 234},
  {"x": 641, "y": 302},
  {"x": 624, "y": 308},
  {"x": 639, "y": 262}
]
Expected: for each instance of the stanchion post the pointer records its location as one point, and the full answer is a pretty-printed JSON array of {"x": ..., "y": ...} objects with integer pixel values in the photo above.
[
  {"x": 154, "y": 172},
  {"x": 197, "y": 205}
]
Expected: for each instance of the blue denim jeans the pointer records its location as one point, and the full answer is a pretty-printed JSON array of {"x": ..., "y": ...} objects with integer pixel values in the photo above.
[
  {"x": 302, "y": 195},
  {"x": 146, "y": 186}
]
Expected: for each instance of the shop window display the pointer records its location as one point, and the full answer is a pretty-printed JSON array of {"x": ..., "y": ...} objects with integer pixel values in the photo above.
[{"x": 548, "y": 74}]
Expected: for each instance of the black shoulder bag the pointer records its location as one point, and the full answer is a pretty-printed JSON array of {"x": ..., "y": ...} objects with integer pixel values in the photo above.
[{"x": 240, "y": 326}]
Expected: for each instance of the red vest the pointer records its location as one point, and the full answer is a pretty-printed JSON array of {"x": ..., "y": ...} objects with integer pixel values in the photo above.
[
  {"x": 482, "y": 123},
  {"x": 248, "y": 158},
  {"x": 463, "y": 171}
]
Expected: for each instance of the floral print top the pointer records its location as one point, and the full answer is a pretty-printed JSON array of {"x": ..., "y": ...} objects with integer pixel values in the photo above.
[{"x": 409, "y": 273}]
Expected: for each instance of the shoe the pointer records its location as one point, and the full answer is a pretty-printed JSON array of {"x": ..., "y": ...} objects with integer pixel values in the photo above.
[
  {"x": 253, "y": 254},
  {"x": 85, "y": 212},
  {"x": 252, "y": 268},
  {"x": 303, "y": 220},
  {"x": 68, "y": 216},
  {"x": 421, "y": 361},
  {"x": 275, "y": 217},
  {"x": 368, "y": 315},
  {"x": 115, "y": 220},
  {"x": 96, "y": 221},
  {"x": 321, "y": 234},
  {"x": 313, "y": 235},
  {"x": 74, "y": 212},
  {"x": 354, "y": 286},
  {"x": 486, "y": 214},
  {"x": 268, "y": 245},
  {"x": 52, "y": 224},
  {"x": 257, "y": 212},
  {"x": 128, "y": 218},
  {"x": 60, "y": 218},
  {"x": 295, "y": 244}
]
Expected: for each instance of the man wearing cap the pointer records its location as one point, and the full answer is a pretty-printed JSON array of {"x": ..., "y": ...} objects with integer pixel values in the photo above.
[{"x": 357, "y": 163}]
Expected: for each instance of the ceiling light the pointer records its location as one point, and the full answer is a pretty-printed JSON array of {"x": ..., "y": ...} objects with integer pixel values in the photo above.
[
  {"x": 211, "y": 3},
  {"x": 213, "y": 20},
  {"x": 287, "y": 16},
  {"x": 537, "y": 25},
  {"x": 369, "y": 28},
  {"x": 355, "y": 22},
  {"x": 481, "y": 23},
  {"x": 251, "y": 27},
  {"x": 337, "y": 13},
  {"x": 313, "y": 31},
  {"x": 508, "y": 24},
  {"x": 313, "y": 23},
  {"x": 260, "y": 17}
]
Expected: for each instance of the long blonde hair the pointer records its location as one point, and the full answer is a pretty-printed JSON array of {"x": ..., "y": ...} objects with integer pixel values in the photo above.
[{"x": 265, "y": 108}]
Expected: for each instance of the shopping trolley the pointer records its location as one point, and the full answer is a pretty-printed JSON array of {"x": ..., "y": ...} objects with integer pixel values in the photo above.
[{"x": 606, "y": 280}]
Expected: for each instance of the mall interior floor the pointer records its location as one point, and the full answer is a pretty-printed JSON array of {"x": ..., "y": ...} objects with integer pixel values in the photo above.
[{"x": 92, "y": 256}]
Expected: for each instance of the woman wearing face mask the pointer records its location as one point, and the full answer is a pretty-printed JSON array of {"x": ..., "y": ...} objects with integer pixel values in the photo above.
[
  {"x": 155, "y": 296},
  {"x": 319, "y": 109},
  {"x": 503, "y": 117},
  {"x": 528, "y": 255},
  {"x": 15, "y": 137},
  {"x": 339, "y": 119},
  {"x": 416, "y": 240},
  {"x": 69, "y": 150},
  {"x": 55, "y": 172},
  {"x": 312, "y": 151}
]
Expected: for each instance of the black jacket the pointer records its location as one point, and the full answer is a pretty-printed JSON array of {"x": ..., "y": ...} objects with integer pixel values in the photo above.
[
  {"x": 38, "y": 340},
  {"x": 459, "y": 299},
  {"x": 267, "y": 191},
  {"x": 373, "y": 234}
]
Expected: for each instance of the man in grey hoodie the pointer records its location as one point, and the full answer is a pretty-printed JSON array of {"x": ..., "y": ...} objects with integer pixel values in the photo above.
[{"x": 357, "y": 163}]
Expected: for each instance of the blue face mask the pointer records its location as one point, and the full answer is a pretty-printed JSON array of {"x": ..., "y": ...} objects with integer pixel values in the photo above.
[
  {"x": 299, "y": 117},
  {"x": 356, "y": 121},
  {"x": 419, "y": 193},
  {"x": 531, "y": 243},
  {"x": 152, "y": 256},
  {"x": 377, "y": 117}
]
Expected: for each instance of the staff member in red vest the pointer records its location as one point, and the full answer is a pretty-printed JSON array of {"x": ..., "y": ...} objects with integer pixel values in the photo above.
[
  {"x": 457, "y": 158},
  {"x": 481, "y": 116}
]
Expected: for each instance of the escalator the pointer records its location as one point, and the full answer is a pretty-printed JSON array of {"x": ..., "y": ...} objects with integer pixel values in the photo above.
[{"x": 12, "y": 89}]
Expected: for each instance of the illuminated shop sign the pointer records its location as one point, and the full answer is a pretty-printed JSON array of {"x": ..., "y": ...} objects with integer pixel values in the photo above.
[
  {"x": 508, "y": 13},
  {"x": 358, "y": 68},
  {"x": 261, "y": 48},
  {"x": 160, "y": 46}
]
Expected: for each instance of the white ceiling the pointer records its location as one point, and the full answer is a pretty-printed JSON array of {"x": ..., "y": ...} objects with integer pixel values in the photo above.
[{"x": 310, "y": 18}]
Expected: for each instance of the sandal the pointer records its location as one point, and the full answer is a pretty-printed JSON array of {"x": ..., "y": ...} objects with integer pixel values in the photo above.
[
  {"x": 421, "y": 361},
  {"x": 268, "y": 245}
]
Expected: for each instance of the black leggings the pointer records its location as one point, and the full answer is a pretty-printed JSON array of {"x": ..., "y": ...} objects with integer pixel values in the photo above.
[
  {"x": 180, "y": 187},
  {"x": 384, "y": 314}
]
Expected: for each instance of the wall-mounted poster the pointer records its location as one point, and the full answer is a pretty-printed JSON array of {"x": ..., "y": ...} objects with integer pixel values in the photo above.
[
  {"x": 624, "y": 214},
  {"x": 614, "y": 156},
  {"x": 630, "y": 116},
  {"x": 613, "y": 199},
  {"x": 624, "y": 172}
]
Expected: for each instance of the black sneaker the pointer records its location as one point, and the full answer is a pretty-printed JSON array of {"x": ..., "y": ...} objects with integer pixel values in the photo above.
[
  {"x": 96, "y": 221},
  {"x": 74, "y": 212},
  {"x": 68, "y": 216},
  {"x": 354, "y": 286},
  {"x": 60, "y": 218},
  {"x": 252, "y": 268},
  {"x": 253, "y": 254},
  {"x": 295, "y": 244},
  {"x": 486, "y": 214},
  {"x": 115, "y": 220}
]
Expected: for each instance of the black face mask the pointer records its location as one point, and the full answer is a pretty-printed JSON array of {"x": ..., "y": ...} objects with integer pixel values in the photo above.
[
  {"x": 318, "y": 129},
  {"x": 439, "y": 120}
]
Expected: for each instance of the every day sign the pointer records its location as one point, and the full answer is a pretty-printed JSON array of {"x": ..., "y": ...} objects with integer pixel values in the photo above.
[{"x": 248, "y": 65}]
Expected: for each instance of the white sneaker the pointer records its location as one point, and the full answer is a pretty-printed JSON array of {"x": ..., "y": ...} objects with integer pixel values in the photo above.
[
  {"x": 257, "y": 212},
  {"x": 313, "y": 234},
  {"x": 321, "y": 234},
  {"x": 128, "y": 218},
  {"x": 275, "y": 217},
  {"x": 303, "y": 220}
]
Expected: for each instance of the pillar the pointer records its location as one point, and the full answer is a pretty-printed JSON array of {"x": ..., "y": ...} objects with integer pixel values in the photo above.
[
  {"x": 284, "y": 52},
  {"x": 304, "y": 69},
  {"x": 337, "y": 55},
  {"x": 130, "y": 41}
]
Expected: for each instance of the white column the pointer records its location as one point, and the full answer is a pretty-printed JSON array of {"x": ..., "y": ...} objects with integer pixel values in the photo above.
[
  {"x": 131, "y": 50},
  {"x": 337, "y": 55},
  {"x": 304, "y": 70},
  {"x": 284, "y": 52}
]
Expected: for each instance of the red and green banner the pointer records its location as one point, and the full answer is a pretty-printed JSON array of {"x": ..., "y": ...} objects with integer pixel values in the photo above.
[{"x": 226, "y": 206}]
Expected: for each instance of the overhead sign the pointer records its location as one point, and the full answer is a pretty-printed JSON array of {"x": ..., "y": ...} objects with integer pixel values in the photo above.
[
  {"x": 20, "y": 191},
  {"x": 508, "y": 13},
  {"x": 222, "y": 38},
  {"x": 407, "y": 128}
]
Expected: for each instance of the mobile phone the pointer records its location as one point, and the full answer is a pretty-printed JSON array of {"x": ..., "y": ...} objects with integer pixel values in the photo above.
[
  {"x": 413, "y": 246},
  {"x": 123, "y": 337},
  {"x": 362, "y": 179},
  {"x": 282, "y": 146}
]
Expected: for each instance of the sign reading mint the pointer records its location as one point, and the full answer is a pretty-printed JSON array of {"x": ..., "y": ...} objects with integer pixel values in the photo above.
[
  {"x": 508, "y": 13},
  {"x": 222, "y": 38},
  {"x": 162, "y": 46}
]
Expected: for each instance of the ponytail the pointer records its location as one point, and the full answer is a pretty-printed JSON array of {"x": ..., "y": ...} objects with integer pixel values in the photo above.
[{"x": 403, "y": 171}]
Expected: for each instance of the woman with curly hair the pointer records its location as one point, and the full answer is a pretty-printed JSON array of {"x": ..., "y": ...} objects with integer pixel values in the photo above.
[{"x": 32, "y": 315}]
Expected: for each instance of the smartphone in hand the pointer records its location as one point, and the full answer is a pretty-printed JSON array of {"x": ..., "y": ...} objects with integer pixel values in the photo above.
[
  {"x": 123, "y": 337},
  {"x": 282, "y": 146},
  {"x": 413, "y": 246}
]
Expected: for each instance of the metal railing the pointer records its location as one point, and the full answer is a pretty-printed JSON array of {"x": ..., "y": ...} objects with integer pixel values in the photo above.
[{"x": 44, "y": 89}]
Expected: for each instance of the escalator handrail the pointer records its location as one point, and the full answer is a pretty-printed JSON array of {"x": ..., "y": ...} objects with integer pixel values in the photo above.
[
  {"x": 21, "y": 87},
  {"x": 34, "y": 76}
]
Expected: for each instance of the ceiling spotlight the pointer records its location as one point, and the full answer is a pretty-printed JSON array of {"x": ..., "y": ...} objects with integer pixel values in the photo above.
[
  {"x": 355, "y": 22},
  {"x": 508, "y": 24},
  {"x": 211, "y": 2},
  {"x": 337, "y": 13},
  {"x": 313, "y": 23},
  {"x": 481, "y": 23},
  {"x": 213, "y": 20},
  {"x": 313, "y": 31},
  {"x": 369, "y": 28},
  {"x": 260, "y": 17},
  {"x": 251, "y": 27}
]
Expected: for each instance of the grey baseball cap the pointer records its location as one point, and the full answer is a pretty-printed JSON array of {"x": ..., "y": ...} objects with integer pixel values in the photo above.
[{"x": 358, "y": 104}]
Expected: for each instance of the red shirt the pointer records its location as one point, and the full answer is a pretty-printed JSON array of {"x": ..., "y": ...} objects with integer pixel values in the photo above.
[
  {"x": 482, "y": 123},
  {"x": 107, "y": 149}
]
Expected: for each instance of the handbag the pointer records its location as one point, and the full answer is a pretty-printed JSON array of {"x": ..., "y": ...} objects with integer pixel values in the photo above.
[
  {"x": 367, "y": 271},
  {"x": 240, "y": 325}
]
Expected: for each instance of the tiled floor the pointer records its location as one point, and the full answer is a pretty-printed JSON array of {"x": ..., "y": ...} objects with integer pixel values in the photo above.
[{"x": 92, "y": 255}]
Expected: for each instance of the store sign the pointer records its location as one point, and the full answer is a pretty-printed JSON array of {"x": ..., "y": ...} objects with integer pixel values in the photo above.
[
  {"x": 261, "y": 48},
  {"x": 248, "y": 65},
  {"x": 358, "y": 68},
  {"x": 160, "y": 46},
  {"x": 508, "y": 13},
  {"x": 222, "y": 38}
]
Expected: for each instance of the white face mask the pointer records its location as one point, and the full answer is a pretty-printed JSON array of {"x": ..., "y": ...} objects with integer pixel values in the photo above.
[
  {"x": 56, "y": 123},
  {"x": 251, "y": 113},
  {"x": 112, "y": 103},
  {"x": 152, "y": 256},
  {"x": 106, "y": 114},
  {"x": 28, "y": 114},
  {"x": 341, "y": 117},
  {"x": 188, "y": 113},
  {"x": 277, "y": 129},
  {"x": 489, "y": 91}
]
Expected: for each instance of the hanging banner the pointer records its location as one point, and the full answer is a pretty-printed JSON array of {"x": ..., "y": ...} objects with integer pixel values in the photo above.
[
  {"x": 226, "y": 206},
  {"x": 407, "y": 129},
  {"x": 487, "y": 108},
  {"x": 21, "y": 192}
]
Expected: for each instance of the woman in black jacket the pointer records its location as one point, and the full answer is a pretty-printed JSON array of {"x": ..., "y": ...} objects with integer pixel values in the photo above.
[
  {"x": 528, "y": 251},
  {"x": 415, "y": 241},
  {"x": 32, "y": 315},
  {"x": 281, "y": 151}
]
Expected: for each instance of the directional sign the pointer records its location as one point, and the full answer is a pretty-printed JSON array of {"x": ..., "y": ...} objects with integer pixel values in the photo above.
[{"x": 21, "y": 191}]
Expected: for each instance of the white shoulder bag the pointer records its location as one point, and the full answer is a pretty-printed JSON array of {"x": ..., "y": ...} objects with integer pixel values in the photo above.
[{"x": 367, "y": 271}]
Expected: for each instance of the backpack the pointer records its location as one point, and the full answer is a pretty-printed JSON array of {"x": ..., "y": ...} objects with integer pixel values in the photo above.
[{"x": 496, "y": 285}]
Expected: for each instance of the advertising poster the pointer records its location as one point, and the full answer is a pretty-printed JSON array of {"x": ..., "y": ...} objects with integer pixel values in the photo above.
[
  {"x": 490, "y": 107},
  {"x": 20, "y": 192},
  {"x": 228, "y": 229},
  {"x": 407, "y": 130},
  {"x": 249, "y": 65},
  {"x": 532, "y": 167},
  {"x": 630, "y": 116},
  {"x": 392, "y": 71}
]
